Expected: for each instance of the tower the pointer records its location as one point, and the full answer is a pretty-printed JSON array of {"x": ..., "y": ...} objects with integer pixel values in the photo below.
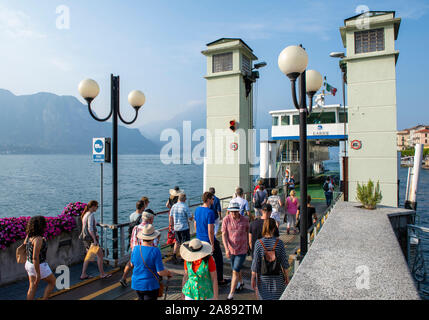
[
  {"x": 371, "y": 78},
  {"x": 229, "y": 115}
]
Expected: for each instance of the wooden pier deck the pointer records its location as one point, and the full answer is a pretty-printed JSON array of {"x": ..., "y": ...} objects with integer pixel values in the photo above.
[{"x": 110, "y": 289}]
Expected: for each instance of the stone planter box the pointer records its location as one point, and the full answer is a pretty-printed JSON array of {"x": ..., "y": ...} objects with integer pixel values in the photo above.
[{"x": 66, "y": 249}]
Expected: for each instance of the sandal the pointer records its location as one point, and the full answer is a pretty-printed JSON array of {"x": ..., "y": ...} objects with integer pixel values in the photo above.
[
  {"x": 106, "y": 276},
  {"x": 85, "y": 278}
]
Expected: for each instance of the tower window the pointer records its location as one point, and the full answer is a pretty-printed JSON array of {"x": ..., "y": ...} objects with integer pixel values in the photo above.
[
  {"x": 285, "y": 120},
  {"x": 246, "y": 65},
  {"x": 369, "y": 40},
  {"x": 222, "y": 62},
  {"x": 275, "y": 121}
]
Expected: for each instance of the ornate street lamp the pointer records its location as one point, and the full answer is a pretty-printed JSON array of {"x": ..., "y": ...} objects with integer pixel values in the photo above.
[
  {"x": 89, "y": 90},
  {"x": 292, "y": 62}
]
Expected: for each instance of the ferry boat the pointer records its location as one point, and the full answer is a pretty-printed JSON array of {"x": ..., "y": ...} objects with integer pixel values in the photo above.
[{"x": 326, "y": 127}]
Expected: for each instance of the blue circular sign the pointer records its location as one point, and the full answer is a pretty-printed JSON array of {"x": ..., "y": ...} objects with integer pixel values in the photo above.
[
  {"x": 319, "y": 127},
  {"x": 98, "y": 146}
]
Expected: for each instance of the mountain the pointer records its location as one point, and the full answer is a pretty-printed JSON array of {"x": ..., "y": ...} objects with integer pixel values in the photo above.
[
  {"x": 48, "y": 123},
  {"x": 196, "y": 115}
]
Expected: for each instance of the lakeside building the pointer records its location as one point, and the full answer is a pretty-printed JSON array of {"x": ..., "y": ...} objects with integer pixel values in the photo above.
[{"x": 408, "y": 138}]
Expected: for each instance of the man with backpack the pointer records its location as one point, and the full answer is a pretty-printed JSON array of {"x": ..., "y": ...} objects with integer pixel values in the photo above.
[
  {"x": 328, "y": 188},
  {"x": 259, "y": 199}
]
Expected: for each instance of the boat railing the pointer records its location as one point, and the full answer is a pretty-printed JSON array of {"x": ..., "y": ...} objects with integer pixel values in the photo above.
[
  {"x": 418, "y": 257},
  {"x": 289, "y": 156},
  {"x": 123, "y": 253}
]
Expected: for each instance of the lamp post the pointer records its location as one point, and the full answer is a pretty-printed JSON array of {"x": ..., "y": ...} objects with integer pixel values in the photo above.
[
  {"x": 292, "y": 62},
  {"x": 343, "y": 68},
  {"x": 89, "y": 90}
]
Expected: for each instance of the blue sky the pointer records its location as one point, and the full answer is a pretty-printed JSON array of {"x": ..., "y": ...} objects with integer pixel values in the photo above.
[{"x": 155, "y": 46}]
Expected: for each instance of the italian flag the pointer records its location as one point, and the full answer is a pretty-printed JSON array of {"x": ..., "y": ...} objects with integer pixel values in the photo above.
[{"x": 330, "y": 88}]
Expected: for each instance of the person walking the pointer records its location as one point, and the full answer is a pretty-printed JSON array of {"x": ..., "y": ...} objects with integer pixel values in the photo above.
[
  {"x": 328, "y": 187},
  {"x": 235, "y": 237},
  {"x": 291, "y": 206},
  {"x": 269, "y": 265},
  {"x": 244, "y": 204},
  {"x": 200, "y": 278},
  {"x": 146, "y": 260},
  {"x": 286, "y": 182},
  {"x": 259, "y": 199},
  {"x": 147, "y": 217},
  {"x": 141, "y": 205},
  {"x": 255, "y": 231},
  {"x": 291, "y": 183},
  {"x": 204, "y": 220},
  {"x": 216, "y": 209},
  {"x": 90, "y": 238},
  {"x": 311, "y": 214},
  {"x": 179, "y": 220},
  {"x": 173, "y": 198},
  {"x": 36, "y": 266},
  {"x": 276, "y": 203}
]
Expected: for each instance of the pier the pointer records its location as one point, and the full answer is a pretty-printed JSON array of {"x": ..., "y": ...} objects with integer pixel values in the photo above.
[
  {"x": 110, "y": 289},
  {"x": 355, "y": 256}
]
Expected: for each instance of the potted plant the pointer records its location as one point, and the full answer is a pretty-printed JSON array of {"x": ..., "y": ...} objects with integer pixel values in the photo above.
[{"x": 368, "y": 195}]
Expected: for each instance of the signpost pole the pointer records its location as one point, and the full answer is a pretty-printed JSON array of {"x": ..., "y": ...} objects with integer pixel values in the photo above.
[{"x": 101, "y": 203}]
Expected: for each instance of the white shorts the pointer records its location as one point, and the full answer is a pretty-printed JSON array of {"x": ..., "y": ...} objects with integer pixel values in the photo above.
[{"x": 45, "y": 271}]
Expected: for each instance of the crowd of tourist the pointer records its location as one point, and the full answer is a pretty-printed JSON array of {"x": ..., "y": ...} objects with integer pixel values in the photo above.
[{"x": 243, "y": 235}]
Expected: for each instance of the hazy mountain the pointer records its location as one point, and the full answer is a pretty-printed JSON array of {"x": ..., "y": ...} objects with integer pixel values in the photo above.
[
  {"x": 47, "y": 123},
  {"x": 196, "y": 115}
]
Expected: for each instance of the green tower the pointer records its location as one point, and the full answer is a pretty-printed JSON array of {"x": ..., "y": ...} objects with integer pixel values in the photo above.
[
  {"x": 229, "y": 104},
  {"x": 371, "y": 79}
]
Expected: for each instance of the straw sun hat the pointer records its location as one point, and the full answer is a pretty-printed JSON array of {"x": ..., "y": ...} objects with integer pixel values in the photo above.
[
  {"x": 175, "y": 192},
  {"x": 148, "y": 233},
  {"x": 195, "y": 249}
]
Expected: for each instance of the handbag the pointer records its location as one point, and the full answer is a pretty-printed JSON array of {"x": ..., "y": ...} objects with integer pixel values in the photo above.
[
  {"x": 21, "y": 252},
  {"x": 161, "y": 285},
  {"x": 92, "y": 252}
]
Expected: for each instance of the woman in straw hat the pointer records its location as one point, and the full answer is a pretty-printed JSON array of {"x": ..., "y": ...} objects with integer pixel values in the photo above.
[
  {"x": 147, "y": 263},
  {"x": 200, "y": 279}
]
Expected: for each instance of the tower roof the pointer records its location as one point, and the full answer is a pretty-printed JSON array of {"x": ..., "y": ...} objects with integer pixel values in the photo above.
[{"x": 224, "y": 40}]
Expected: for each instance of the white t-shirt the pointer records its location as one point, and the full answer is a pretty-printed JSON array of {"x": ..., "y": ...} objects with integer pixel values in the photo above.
[
  {"x": 134, "y": 216},
  {"x": 244, "y": 204}
]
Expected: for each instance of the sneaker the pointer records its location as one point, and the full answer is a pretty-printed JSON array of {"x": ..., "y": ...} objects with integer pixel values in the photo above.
[
  {"x": 224, "y": 282},
  {"x": 123, "y": 283},
  {"x": 240, "y": 287},
  {"x": 230, "y": 298}
]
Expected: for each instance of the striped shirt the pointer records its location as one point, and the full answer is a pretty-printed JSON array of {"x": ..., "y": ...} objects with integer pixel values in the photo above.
[
  {"x": 134, "y": 241},
  {"x": 180, "y": 213},
  {"x": 269, "y": 287}
]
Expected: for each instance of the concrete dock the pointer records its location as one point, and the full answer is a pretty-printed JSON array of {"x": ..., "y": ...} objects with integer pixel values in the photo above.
[{"x": 355, "y": 256}]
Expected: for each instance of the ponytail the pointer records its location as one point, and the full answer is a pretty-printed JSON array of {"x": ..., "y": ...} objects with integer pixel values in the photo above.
[{"x": 89, "y": 205}]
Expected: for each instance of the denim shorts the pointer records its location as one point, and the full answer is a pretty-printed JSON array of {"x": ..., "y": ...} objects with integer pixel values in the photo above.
[
  {"x": 237, "y": 262},
  {"x": 182, "y": 236}
]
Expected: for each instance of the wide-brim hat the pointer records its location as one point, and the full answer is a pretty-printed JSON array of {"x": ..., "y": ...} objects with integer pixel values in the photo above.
[
  {"x": 175, "y": 193},
  {"x": 195, "y": 250},
  {"x": 233, "y": 206},
  {"x": 148, "y": 233}
]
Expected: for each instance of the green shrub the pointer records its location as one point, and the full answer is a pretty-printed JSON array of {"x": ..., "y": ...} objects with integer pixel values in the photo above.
[{"x": 368, "y": 196}]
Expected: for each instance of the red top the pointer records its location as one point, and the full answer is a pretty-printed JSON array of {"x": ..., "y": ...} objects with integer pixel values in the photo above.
[
  {"x": 256, "y": 189},
  {"x": 196, "y": 264}
]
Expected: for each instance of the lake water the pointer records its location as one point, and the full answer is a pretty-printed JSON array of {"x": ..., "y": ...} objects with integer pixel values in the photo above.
[{"x": 43, "y": 184}]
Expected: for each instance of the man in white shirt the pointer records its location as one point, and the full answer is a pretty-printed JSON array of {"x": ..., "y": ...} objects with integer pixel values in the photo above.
[{"x": 244, "y": 204}]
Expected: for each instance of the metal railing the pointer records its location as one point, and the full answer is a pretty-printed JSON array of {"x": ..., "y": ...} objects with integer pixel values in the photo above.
[
  {"x": 124, "y": 254},
  {"x": 418, "y": 257},
  {"x": 289, "y": 156}
]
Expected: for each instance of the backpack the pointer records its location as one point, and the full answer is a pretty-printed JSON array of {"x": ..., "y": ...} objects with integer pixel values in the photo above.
[
  {"x": 326, "y": 187},
  {"x": 270, "y": 265},
  {"x": 258, "y": 200}
]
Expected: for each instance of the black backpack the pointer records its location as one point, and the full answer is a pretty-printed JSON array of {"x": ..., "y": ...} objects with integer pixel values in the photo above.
[
  {"x": 270, "y": 265},
  {"x": 326, "y": 186}
]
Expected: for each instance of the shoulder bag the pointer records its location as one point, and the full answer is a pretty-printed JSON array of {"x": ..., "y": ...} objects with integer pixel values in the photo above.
[
  {"x": 161, "y": 285},
  {"x": 21, "y": 252}
]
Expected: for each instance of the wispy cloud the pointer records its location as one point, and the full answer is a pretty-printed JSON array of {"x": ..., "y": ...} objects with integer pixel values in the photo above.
[
  {"x": 17, "y": 24},
  {"x": 61, "y": 64}
]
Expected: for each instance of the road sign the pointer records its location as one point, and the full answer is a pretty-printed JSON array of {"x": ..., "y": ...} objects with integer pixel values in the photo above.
[{"x": 98, "y": 147}]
